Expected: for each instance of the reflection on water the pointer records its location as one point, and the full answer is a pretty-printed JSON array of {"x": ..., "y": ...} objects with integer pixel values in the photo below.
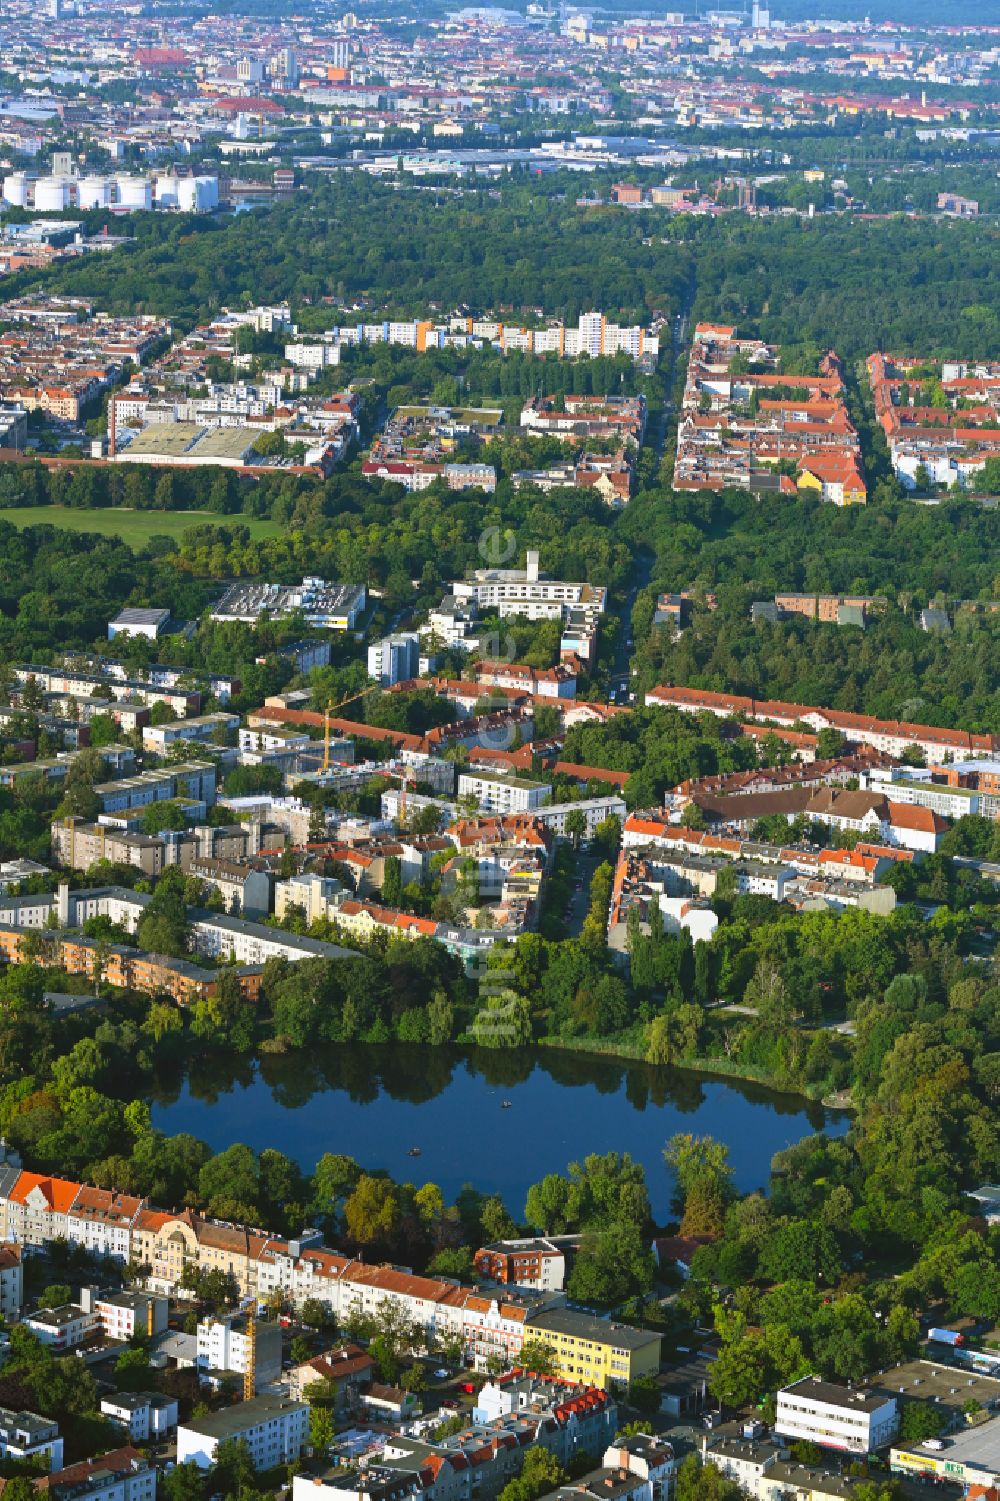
[{"x": 375, "y": 1102}]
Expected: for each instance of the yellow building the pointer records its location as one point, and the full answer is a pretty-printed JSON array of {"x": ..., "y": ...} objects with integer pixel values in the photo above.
[{"x": 598, "y": 1352}]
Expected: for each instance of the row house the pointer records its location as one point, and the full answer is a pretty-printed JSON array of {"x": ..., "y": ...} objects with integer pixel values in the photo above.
[
  {"x": 890, "y": 736},
  {"x": 36, "y": 1209}
]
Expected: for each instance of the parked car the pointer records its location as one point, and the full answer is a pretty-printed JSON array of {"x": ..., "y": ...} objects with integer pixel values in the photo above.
[{"x": 441, "y": 1374}]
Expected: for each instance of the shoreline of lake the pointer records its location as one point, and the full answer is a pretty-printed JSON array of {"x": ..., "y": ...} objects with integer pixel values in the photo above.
[{"x": 379, "y": 1102}]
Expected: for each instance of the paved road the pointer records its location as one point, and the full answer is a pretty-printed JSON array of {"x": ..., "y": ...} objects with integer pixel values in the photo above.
[
  {"x": 619, "y": 680},
  {"x": 586, "y": 864}
]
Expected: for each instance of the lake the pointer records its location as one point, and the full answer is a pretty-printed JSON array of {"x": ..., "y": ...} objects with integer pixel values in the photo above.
[{"x": 376, "y": 1102}]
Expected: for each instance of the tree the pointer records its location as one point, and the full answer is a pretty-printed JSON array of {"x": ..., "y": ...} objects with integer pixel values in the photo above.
[
  {"x": 392, "y": 881},
  {"x": 372, "y": 1211},
  {"x": 803, "y": 1250},
  {"x": 316, "y": 1315},
  {"x": 186, "y": 1482},
  {"x": 57, "y": 1295},
  {"x": 233, "y": 1473},
  {"x": 335, "y": 1177},
  {"x": 576, "y": 825},
  {"x": 700, "y": 1165},
  {"x": 539, "y": 1357},
  {"x": 699, "y": 1480},
  {"x": 541, "y": 1473},
  {"x": 611, "y": 1266},
  {"x": 321, "y": 1428},
  {"x": 920, "y": 1420}
]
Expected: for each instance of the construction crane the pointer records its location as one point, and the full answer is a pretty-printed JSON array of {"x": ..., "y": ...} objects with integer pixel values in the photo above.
[
  {"x": 249, "y": 1305},
  {"x": 409, "y": 774}
]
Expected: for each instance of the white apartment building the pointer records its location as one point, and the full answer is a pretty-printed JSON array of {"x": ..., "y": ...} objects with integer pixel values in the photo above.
[
  {"x": 394, "y": 659},
  {"x": 159, "y": 737},
  {"x": 224, "y": 1346},
  {"x": 26, "y": 1435},
  {"x": 596, "y": 810},
  {"x": 11, "y": 1284},
  {"x": 273, "y": 1428},
  {"x": 503, "y": 794},
  {"x": 526, "y": 591},
  {"x": 214, "y": 935},
  {"x": 312, "y": 894},
  {"x": 61, "y": 1328},
  {"x": 836, "y": 1417},
  {"x": 123, "y": 1315},
  {"x": 143, "y": 1415},
  {"x": 313, "y": 356},
  {"x": 122, "y": 1475}
]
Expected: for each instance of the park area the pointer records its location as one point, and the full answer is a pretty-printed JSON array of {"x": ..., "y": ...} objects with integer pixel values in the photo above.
[{"x": 133, "y": 527}]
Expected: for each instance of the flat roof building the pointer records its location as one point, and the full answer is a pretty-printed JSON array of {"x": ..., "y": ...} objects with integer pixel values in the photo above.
[{"x": 274, "y": 1429}]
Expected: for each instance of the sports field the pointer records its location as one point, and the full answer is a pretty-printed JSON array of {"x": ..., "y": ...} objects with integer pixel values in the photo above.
[{"x": 133, "y": 527}]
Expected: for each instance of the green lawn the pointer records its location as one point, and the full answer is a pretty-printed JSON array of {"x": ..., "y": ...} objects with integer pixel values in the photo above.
[{"x": 134, "y": 527}]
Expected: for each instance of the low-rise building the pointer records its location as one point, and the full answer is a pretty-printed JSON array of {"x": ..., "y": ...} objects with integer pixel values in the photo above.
[
  {"x": 537, "y": 1263},
  {"x": 599, "y": 1352},
  {"x": 126, "y": 1314},
  {"x": 144, "y": 1415},
  {"x": 25, "y": 1435},
  {"x": 836, "y": 1417},
  {"x": 344, "y": 1372},
  {"x": 273, "y": 1428},
  {"x": 61, "y": 1328},
  {"x": 138, "y": 622},
  {"x": 122, "y": 1475}
]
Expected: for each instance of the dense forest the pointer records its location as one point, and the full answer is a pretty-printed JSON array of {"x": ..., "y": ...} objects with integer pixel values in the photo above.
[
  {"x": 526, "y": 245},
  {"x": 742, "y": 549}
]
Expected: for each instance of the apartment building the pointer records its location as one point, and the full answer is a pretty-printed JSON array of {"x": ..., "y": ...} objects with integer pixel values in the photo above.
[
  {"x": 311, "y": 894},
  {"x": 598, "y": 1352},
  {"x": 160, "y": 737},
  {"x": 145, "y": 1416},
  {"x": 218, "y": 936},
  {"x": 890, "y": 736},
  {"x": 595, "y": 810},
  {"x": 537, "y": 1263},
  {"x": 25, "y": 1435},
  {"x": 526, "y": 591},
  {"x": 394, "y": 659},
  {"x": 498, "y": 793},
  {"x": 274, "y": 1429},
  {"x": 11, "y": 1282},
  {"x": 61, "y": 1329},
  {"x": 191, "y": 780},
  {"x": 125, "y": 1315},
  {"x": 122, "y": 1475},
  {"x": 78, "y": 845},
  {"x": 225, "y": 1347}
]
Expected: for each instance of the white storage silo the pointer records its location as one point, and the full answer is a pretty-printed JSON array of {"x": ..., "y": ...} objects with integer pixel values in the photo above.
[
  {"x": 51, "y": 195},
  {"x": 197, "y": 195},
  {"x": 15, "y": 189},
  {"x": 94, "y": 192},
  {"x": 135, "y": 192},
  {"x": 166, "y": 191}
]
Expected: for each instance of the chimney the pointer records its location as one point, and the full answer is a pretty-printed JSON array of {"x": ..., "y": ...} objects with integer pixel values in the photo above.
[
  {"x": 531, "y": 571},
  {"x": 62, "y": 903}
]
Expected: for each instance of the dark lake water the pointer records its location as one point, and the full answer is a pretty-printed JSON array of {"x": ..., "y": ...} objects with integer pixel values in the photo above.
[{"x": 375, "y": 1103}]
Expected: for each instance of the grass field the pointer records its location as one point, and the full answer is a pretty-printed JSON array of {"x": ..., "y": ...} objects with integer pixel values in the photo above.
[{"x": 134, "y": 527}]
